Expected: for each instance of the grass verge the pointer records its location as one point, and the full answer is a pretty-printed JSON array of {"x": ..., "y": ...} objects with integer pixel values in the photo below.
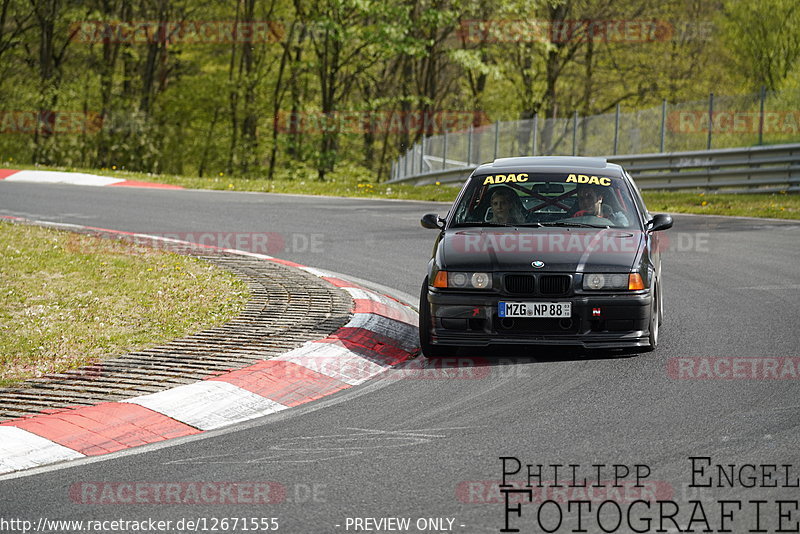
[
  {"x": 68, "y": 300},
  {"x": 355, "y": 181}
]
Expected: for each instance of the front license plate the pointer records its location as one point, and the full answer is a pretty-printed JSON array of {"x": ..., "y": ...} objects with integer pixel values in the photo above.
[{"x": 540, "y": 310}]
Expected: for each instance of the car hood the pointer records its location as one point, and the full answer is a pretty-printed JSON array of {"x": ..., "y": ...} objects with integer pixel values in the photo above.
[{"x": 561, "y": 249}]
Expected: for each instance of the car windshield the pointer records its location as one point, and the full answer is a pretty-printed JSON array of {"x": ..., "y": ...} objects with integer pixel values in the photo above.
[{"x": 552, "y": 199}]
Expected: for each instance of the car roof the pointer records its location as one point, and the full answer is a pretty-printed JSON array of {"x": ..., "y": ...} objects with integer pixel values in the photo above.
[{"x": 551, "y": 164}]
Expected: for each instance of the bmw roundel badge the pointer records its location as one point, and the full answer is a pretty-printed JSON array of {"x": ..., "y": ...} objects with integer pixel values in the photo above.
[{"x": 537, "y": 264}]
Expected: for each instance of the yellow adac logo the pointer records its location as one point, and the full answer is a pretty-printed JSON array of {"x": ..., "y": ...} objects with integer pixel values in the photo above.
[
  {"x": 506, "y": 178},
  {"x": 584, "y": 179}
]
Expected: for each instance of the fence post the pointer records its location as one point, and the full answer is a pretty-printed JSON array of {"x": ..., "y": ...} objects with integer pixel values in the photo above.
[
  {"x": 663, "y": 124},
  {"x": 469, "y": 146},
  {"x": 535, "y": 131},
  {"x": 444, "y": 149},
  {"x": 496, "y": 137},
  {"x": 616, "y": 129},
  {"x": 761, "y": 115},
  {"x": 710, "y": 119},
  {"x": 575, "y": 133}
]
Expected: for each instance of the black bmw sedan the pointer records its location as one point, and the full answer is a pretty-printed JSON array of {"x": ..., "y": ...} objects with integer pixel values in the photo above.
[{"x": 544, "y": 251}]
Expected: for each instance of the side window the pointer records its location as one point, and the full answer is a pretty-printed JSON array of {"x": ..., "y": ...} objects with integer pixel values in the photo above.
[{"x": 637, "y": 197}]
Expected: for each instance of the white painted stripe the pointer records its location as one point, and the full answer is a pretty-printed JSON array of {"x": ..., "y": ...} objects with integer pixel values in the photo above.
[
  {"x": 316, "y": 272},
  {"x": 20, "y": 449},
  {"x": 409, "y": 315},
  {"x": 208, "y": 404},
  {"x": 407, "y": 336},
  {"x": 366, "y": 294},
  {"x": 58, "y": 177},
  {"x": 334, "y": 361}
]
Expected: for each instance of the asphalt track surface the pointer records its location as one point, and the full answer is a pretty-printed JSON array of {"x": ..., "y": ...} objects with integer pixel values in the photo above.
[{"x": 414, "y": 447}]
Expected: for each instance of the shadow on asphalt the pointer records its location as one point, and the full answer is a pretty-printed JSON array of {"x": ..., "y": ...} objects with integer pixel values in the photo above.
[{"x": 515, "y": 354}]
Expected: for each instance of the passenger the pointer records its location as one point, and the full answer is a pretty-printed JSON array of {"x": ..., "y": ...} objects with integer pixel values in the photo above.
[
  {"x": 590, "y": 203},
  {"x": 506, "y": 207}
]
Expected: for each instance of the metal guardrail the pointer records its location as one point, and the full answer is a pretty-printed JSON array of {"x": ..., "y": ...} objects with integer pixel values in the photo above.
[{"x": 749, "y": 169}]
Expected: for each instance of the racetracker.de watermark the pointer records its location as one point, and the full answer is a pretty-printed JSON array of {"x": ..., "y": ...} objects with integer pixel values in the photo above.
[
  {"x": 734, "y": 368},
  {"x": 268, "y": 243},
  {"x": 563, "y": 491},
  {"x": 611, "y": 241},
  {"x": 177, "y": 32},
  {"x": 734, "y": 122},
  {"x": 50, "y": 122},
  {"x": 378, "y": 122},
  {"x": 178, "y": 493},
  {"x": 566, "y": 31}
]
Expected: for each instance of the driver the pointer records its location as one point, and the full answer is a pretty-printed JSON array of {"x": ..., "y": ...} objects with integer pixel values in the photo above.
[
  {"x": 590, "y": 203},
  {"x": 506, "y": 207}
]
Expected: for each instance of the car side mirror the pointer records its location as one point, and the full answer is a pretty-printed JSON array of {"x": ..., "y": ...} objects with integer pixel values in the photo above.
[
  {"x": 431, "y": 221},
  {"x": 662, "y": 221}
]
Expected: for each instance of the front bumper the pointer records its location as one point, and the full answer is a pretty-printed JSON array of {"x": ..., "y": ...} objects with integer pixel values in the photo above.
[{"x": 471, "y": 320}]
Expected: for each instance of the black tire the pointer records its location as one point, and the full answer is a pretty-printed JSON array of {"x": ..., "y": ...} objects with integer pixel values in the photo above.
[
  {"x": 655, "y": 319},
  {"x": 425, "y": 325}
]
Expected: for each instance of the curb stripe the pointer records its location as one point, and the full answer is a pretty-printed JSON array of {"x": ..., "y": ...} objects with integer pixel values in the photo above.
[
  {"x": 374, "y": 347},
  {"x": 284, "y": 382},
  {"x": 59, "y": 177},
  {"x": 378, "y": 308},
  {"x": 338, "y": 282},
  {"x": 75, "y": 178},
  {"x": 404, "y": 335},
  {"x": 20, "y": 449},
  {"x": 135, "y": 183},
  {"x": 104, "y": 428},
  {"x": 286, "y": 262},
  {"x": 208, "y": 404},
  {"x": 335, "y": 361}
]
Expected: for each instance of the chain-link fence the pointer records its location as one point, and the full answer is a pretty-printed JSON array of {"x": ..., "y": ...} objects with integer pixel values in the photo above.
[{"x": 717, "y": 122}]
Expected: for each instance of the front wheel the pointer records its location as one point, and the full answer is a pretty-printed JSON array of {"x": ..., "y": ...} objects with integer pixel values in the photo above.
[
  {"x": 655, "y": 319},
  {"x": 425, "y": 326}
]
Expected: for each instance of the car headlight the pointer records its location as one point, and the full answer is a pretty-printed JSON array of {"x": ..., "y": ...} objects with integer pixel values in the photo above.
[
  {"x": 612, "y": 281},
  {"x": 463, "y": 280}
]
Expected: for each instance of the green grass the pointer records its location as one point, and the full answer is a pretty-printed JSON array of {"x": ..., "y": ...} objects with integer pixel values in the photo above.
[
  {"x": 772, "y": 205},
  {"x": 68, "y": 300},
  {"x": 355, "y": 181}
]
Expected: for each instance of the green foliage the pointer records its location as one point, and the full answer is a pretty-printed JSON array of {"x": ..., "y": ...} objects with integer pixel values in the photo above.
[{"x": 264, "y": 107}]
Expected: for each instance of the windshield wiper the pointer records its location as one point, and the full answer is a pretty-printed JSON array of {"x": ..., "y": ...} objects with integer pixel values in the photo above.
[
  {"x": 576, "y": 224},
  {"x": 478, "y": 224}
]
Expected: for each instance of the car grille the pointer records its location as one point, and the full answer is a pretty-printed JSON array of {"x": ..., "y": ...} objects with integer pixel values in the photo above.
[
  {"x": 520, "y": 284},
  {"x": 554, "y": 284},
  {"x": 549, "y": 284}
]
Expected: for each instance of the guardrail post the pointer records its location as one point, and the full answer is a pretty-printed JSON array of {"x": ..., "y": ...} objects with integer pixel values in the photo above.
[
  {"x": 663, "y": 124},
  {"x": 444, "y": 149},
  {"x": 535, "y": 131},
  {"x": 710, "y": 119},
  {"x": 616, "y": 129},
  {"x": 496, "y": 137},
  {"x": 575, "y": 133},
  {"x": 422, "y": 154},
  {"x": 469, "y": 146},
  {"x": 761, "y": 115}
]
